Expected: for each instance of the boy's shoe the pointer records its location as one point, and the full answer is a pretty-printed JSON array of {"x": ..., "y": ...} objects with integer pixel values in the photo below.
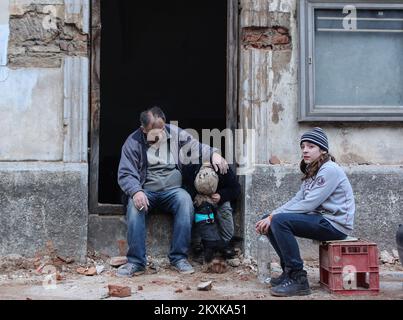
[
  {"x": 228, "y": 252},
  {"x": 197, "y": 249},
  {"x": 197, "y": 253},
  {"x": 130, "y": 270},
  {"x": 295, "y": 284},
  {"x": 183, "y": 266}
]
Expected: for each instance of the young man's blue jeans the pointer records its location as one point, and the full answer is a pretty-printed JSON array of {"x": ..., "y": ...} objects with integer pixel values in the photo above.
[
  {"x": 177, "y": 202},
  {"x": 285, "y": 227}
]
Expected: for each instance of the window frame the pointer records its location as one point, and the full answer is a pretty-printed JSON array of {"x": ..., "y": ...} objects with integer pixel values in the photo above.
[{"x": 308, "y": 111}]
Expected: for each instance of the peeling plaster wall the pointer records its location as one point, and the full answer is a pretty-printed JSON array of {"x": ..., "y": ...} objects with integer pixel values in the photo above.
[
  {"x": 269, "y": 99},
  {"x": 44, "y": 103},
  {"x": 43, "y": 32},
  {"x": 31, "y": 111},
  {"x": 44, "y": 106},
  {"x": 4, "y": 34},
  {"x": 43, "y": 202},
  {"x": 377, "y": 191},
  {"x": 372, "y": 153}
]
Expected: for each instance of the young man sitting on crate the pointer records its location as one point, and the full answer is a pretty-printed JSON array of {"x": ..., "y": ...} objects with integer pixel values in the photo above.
[{"x": 323, "y": 210}]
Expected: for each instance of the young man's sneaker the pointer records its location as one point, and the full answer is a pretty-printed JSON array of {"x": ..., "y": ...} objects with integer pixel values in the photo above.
[
  {"x": 130, "y": 270},
  {"x": 183, "y": 266},
  {"x": 295, "y": 284},
  {"x": 273, "y": 282}
]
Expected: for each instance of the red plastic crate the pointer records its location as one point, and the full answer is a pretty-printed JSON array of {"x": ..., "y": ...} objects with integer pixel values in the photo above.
[{"x": 349, "y": 267}]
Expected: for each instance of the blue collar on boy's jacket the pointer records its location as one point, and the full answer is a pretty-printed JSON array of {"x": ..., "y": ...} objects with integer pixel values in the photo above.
[{"x": 200, "y": 217}]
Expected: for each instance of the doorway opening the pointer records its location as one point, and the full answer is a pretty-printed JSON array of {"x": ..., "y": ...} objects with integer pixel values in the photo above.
[{"x": 172, "y": 54}]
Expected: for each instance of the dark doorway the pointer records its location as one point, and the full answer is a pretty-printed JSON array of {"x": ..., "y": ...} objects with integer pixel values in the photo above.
[{"x": 172, "y": 54}]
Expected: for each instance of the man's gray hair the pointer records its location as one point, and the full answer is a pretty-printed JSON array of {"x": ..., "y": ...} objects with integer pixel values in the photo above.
[{"x": 155, "y": 111}]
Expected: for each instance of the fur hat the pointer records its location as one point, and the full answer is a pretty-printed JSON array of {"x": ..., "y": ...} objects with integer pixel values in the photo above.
[{"x": 206, "y": 180}]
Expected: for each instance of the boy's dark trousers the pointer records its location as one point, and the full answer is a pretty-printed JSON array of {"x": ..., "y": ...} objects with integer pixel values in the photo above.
[{"x": 210, "y": 238}]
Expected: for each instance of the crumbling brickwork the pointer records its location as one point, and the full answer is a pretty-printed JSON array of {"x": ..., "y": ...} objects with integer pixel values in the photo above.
[
  {"x": 269, "y": 38},
  {"x": 265, "y": 30},
  {"x": 34, "y": 44}
]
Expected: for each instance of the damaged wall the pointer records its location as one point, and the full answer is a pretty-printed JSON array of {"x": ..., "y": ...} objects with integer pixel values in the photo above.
[
  {"x": 4, "y": 34},
  {"x": 269, "y": 94},
  {"x": 44, "y": 127},
  {"x": 372, "y": 153},
  {"x": 43, "y": 32},
  {"x": 34, "y": 118}
]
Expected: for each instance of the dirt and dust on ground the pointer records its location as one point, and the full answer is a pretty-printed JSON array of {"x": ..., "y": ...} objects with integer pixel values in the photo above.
[{"x": 49, "y": 276}]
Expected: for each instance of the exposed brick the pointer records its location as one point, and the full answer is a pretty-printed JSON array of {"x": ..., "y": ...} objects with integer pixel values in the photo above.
[
  {"x": 50, "y": 48},
  {"x": 273, "y": 38},
  {"x": 119, "y": 291},
  {"x": 282, "y": 30},
  {"x": 280, "y": 39},
  {"x": 92, "y": 271},
  {"x": 15, "y": 51},
  {"x": 34, "y": 46}
]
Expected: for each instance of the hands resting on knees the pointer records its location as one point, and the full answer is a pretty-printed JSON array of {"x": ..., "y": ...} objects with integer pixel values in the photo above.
[{"x": 262, "y": 226}]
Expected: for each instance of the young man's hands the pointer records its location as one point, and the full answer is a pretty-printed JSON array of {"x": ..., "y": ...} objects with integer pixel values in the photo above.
[{"x": 262, "y": 226}]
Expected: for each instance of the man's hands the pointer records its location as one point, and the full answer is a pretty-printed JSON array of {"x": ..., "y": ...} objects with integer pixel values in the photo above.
[
  {"x": 219, "y": 162},
  {"x": 141, "y": 201},
  {"x": 263, "y": 225},
  {"x": 216, "y": 198}
]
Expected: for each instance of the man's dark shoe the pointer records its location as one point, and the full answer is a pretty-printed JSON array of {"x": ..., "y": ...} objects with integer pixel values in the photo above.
[
  {"x": 183, "y": 266},
  {"x": 294, "y": 284}
]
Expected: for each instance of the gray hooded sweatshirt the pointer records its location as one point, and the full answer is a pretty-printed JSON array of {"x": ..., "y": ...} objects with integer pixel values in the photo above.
[{"x": 330, "y": 194}]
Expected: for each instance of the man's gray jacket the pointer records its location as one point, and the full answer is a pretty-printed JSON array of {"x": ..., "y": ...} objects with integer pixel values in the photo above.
[{"x": 133, "y": 162}]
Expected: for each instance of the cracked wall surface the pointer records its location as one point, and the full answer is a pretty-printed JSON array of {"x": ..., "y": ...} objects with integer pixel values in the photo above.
[
  {"x": 268, "y": 103},
  {"x": 42, "y": 34},
  {"x": 44, "y": 126},
  {"x": 35, "y": 118}
]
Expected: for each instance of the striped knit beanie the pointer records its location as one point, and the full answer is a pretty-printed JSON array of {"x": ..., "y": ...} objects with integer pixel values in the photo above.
[{"x": 318, "y": 137}]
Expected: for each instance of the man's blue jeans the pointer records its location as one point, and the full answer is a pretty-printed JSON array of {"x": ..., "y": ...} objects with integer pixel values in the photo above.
[
  {"x": 285, "y": 227},
  {"x": 176, "y": 201}
]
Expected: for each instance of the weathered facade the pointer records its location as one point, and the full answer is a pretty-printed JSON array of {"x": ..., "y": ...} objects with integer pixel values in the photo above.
[
  {"x": 44, "y": 108},
  {"x": 47, "y": 101}
]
